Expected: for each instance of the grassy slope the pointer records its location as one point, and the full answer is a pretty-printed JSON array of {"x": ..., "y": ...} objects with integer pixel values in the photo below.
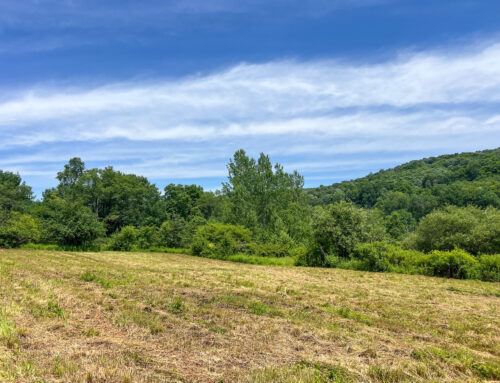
[{"x": 123, "y": 317}]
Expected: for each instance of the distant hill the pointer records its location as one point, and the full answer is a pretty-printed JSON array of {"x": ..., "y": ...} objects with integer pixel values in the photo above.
[{"x": 422, "y": 185}]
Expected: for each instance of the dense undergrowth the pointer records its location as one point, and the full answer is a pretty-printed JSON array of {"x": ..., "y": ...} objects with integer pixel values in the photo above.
[{"x": 437, "y": 216}]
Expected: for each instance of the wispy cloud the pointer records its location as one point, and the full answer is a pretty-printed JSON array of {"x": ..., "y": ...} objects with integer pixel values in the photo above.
[{"x": 424, "y": 102}]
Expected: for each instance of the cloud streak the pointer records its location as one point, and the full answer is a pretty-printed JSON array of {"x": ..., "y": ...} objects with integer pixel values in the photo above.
[{"x": 425, "y": 102}]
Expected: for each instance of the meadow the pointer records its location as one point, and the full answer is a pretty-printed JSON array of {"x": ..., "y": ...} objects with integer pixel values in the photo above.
[{"x": 155, "y": 317}]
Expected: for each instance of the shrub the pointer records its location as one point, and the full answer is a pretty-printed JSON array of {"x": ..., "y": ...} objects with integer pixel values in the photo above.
[
  {"x": 451, "y": 264},
  {"x": 19, "y": 229},
  {"x": 374, "y": 256},
  {"x": 147, "y": 237},
  {"x": 171, "y": 233},
  {"x": 489, "y": 267},
  {"x": 381, "y": 256},
  {"x": 216, "y": 240},
  {"x": 338, "y": 229},
  {"x": 123, "y": 240},
  {"x": 298, "y": 252},
  {"x": 68, "y": 223},
  {"x": 313, "y": 257}
]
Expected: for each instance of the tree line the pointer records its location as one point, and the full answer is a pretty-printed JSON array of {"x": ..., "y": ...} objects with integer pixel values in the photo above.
[{"x": 421, "y": 217}]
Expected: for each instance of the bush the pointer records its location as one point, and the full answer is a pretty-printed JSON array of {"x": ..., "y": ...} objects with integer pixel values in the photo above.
[
  {"x": 216, "y": 240},
  {"x": 313, "y": 257},
  {"x": 19, "y": 229},
  {"x": 489, "y": 267},
  {"x": 68, "y": 223},
  {"x": 171, "y": 233},
  {"x": 381, "y": 256},
  {"x": 123, "y": 240},
  {"x": 298, "y": 252},
  {"x": 338, "y": 229},
  {"x": 147, "y": 237},
  {"x": 451, "y": 264}
]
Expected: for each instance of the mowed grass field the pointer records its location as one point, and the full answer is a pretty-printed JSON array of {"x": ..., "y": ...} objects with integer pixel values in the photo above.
[{"x": 148, "y": 317}]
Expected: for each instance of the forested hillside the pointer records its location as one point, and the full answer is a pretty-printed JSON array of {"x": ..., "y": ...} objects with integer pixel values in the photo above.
[
  {"x": 420, "y": 186},
  {"x": 436, "y": 216}
]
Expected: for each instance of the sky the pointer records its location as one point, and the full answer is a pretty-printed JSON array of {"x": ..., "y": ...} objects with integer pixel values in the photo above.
[{"x": 171, "y": 89}]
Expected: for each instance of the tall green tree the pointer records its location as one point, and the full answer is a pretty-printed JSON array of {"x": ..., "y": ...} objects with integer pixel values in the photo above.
[
  {"x": 15, "y": 195},
  {"x": 117, "y": 199},
  {"x": 69, "y": 178},
  {"x": 266, "y": 199},
  {"x": 182, "y": 200}
]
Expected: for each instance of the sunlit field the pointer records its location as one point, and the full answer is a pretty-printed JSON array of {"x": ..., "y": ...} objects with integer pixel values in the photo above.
[{"x": 150, "y": 317}]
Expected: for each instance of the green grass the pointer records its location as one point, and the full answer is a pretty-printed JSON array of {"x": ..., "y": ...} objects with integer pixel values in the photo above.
[
  {"x": 266, "y": 261},
  {"x": 303, "y": 372},
  {"x": 152, "y": 317}
]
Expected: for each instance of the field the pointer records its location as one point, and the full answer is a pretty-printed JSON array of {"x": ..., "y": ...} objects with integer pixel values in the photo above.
[{"x": 150, "y": 317}]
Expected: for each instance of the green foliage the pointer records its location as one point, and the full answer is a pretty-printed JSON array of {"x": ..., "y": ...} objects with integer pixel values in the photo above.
[
  {"x": 88, "y": 276},
  {"x": 470, "y": 228},
  {"x": 19, "y": 229},
  {"x": 259, "y": 308},
  {"x": 305, "y": 372},
  {"x": 489, "y": 268},
  {"x": 171, "y": 250},
  {"x": 338, "y": 229},
  {"x": 54, "y": 247},
  {"x": 276, "y": 250},
  {"x": 15, "y": 195},
  {"x": 147, "y": 237},
  {"x": 265, "y": 199},
  {"x": 94, "y": 209},
  {"x": 177, "y": 232},
  {"x": 381, "y": 256},
  {"x": 257, "y": 260},
  {"x": 399, "y": 223},
  {"x": 181, "y": 200},
  {"x": 177, "y": 306},
  {"x": 54, "y": 310},
  {"x": 419, "y": 187},
  {"x": 67, "y": 222},
  {"x": 124, "y": 240},
  {"x": 172, "y": 233},
  {"x": 117, "y": 199},
  {"x": 450, "y": 264},
  {"x": 216, "y": 240},
  {"x": 190, "y": 229}
]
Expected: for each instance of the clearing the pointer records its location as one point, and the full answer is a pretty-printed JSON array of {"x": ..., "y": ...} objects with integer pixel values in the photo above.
[{"x": 149, "y": 317}]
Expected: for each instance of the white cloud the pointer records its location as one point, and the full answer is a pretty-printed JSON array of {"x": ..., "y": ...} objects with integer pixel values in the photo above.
[
  {"x": 430, "y": 101},
  {"x": 275, "y": 90}
]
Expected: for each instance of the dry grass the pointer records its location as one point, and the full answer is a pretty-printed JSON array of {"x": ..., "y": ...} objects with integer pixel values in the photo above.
[{"x": 130, "y": 317}]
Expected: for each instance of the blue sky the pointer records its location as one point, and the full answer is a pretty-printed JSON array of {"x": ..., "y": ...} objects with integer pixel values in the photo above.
[{"x": 170, "y": 89}]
